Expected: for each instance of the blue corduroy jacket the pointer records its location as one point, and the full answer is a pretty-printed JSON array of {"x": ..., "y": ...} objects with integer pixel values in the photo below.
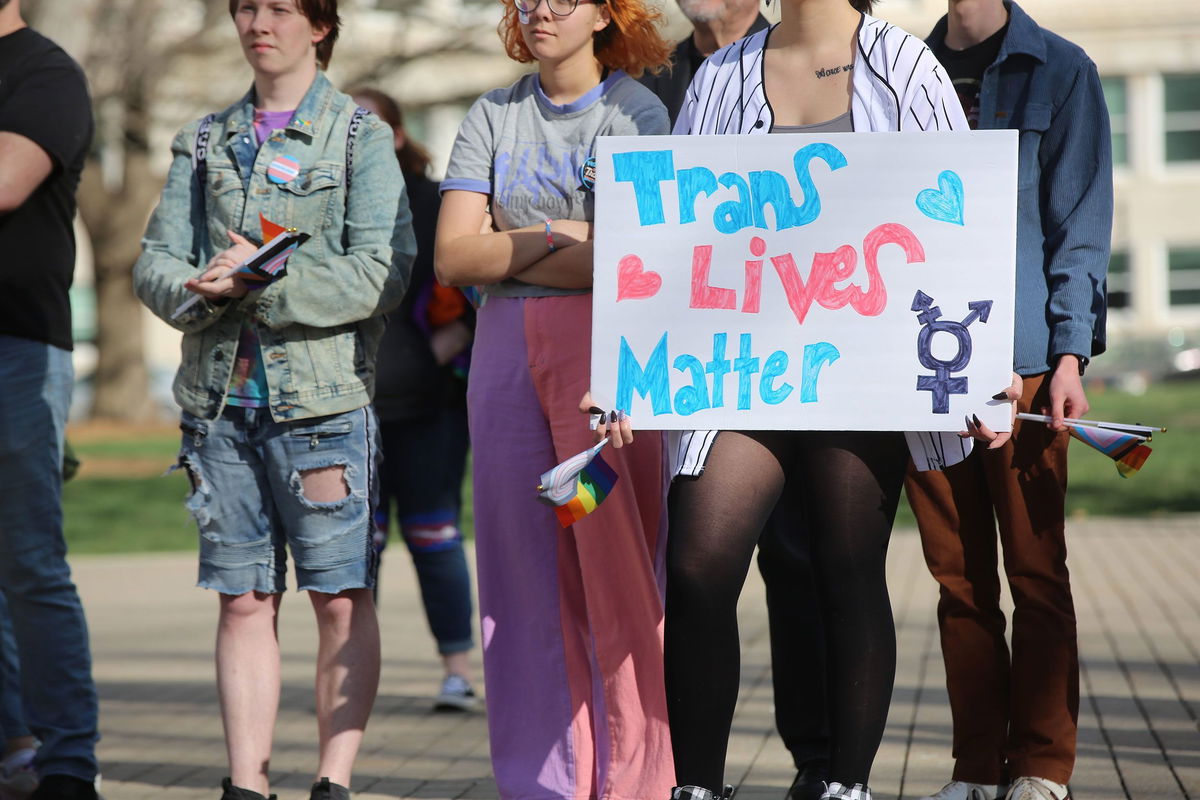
[{"x": 1048, "y": 89}]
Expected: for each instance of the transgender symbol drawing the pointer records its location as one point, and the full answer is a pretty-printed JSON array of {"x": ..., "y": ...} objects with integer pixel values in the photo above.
[{"x": 941, "y": 384}]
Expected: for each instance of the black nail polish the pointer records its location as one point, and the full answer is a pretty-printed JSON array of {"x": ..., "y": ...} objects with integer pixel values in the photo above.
[
  {"x": 977, "y": 422},
  {"x": 595, "y": 410},
  {"x": 1000, "y": 396},
  {"x": 612, "y": 416}
]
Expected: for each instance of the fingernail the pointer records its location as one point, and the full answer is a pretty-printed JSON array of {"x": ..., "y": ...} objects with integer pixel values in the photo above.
[
  {"x": 977, "y": 422},
  {"x": 967, "y": 421},
  {"x": 1000, "y": 396},
  {"x": 595, "y": 410},
  {"x": 612, "y": 416},
  {"x": 621, "y": 416}
]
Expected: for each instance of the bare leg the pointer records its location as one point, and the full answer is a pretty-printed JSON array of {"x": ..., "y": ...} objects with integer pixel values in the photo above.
[
  {"x": 458, "y": 664},
  {"x": 248, "y": 683},
  {"x": 347, "y": 677}
]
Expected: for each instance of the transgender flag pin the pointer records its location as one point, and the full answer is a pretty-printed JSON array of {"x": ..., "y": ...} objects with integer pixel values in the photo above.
[{"x": 283, "y": 169}]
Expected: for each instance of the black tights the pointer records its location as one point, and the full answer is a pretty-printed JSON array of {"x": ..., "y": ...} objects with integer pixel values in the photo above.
[{"x": 851, "y": 485}]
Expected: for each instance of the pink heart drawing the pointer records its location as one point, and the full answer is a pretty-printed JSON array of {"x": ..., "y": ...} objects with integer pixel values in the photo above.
[{"x": 634, "y": 282}]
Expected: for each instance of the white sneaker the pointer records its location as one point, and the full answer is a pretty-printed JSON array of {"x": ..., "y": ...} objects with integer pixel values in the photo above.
[
  {"x": 456, "y": 695},
  {"x": 1029, "y": 788},
  {"x": 837, "y": 791},
  {"x": 17, "y": 778},
  {"x": 961, "y": 790}
]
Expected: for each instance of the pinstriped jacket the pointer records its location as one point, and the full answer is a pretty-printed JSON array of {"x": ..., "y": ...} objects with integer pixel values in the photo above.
[{"x": 898, "y": 85}]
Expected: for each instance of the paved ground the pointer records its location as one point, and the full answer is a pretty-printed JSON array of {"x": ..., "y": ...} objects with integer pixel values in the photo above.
[{"x": 1137, "y": 595}]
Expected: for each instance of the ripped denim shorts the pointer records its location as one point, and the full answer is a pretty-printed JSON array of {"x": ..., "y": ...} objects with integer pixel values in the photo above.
[{"x": 248, "y": 476}]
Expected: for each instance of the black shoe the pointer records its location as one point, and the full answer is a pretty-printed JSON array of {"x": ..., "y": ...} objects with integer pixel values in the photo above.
[
  {"x": 810, "y": 781},
  {"x": 700, "y": 793},
  {"x": 64, "y": 787},
  {"x": 231, "y": 792},
  {"x": 324, "y": 790}
]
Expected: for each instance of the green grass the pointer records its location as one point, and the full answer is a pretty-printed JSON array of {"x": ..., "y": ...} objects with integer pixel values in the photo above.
[{"x": 117, "y": 505}]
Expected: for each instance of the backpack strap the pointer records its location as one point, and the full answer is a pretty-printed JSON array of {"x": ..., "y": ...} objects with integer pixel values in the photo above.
[
  {"x": 200, "y": 151},
  {"x": 200, "y": 176},
  {"x": 351, "y": 134}
]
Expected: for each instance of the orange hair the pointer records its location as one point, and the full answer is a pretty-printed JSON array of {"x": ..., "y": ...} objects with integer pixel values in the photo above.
[{"x": 631, "y": 43}]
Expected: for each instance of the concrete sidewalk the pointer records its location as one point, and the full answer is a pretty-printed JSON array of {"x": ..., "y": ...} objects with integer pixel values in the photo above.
[{"x": 1136, "y": 592}]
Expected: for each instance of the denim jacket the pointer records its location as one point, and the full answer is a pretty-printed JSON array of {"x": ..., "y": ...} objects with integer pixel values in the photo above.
[
  {"x": 1049, "y": 90},
  {"x": 318, "y": 326}
]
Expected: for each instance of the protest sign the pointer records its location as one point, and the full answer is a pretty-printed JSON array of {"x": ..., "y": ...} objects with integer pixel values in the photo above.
[{"x": 800, "y": 281}]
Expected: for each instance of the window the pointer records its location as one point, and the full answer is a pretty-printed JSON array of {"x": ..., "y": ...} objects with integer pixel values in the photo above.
[
  {"x": 1115, "y": 96},
  {"x": 1183, "y": 276},
  {"x": 1118, "y": 280},
  {"x": 1181, "y": 120}
]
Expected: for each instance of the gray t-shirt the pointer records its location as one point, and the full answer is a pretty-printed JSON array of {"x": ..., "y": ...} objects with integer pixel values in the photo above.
[{"x": 530, "y": 155}]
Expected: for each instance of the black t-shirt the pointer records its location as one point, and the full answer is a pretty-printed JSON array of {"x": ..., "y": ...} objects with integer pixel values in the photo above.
[
  {"x": 43, "y": 97},
  {"x": 966, "y": 68}
]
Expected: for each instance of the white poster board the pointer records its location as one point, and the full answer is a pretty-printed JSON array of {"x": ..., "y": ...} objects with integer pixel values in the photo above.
[{"x": 843, "y": 281}]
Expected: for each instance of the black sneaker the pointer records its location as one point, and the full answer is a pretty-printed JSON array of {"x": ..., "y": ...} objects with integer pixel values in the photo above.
[
  {"x": 700, "y": 793},
  {"x": 324, "y": 790},
  {"x": 810, "y": 781},
  {"x": 64, "y": 787},
  {"x": 231, "y": 792}
]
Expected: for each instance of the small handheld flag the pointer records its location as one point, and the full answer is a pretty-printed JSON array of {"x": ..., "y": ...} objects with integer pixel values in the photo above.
[
  {"x": 1124, "y": 444},
  {"x": 576, "y": 486},
  {"x": 266, "y": 265},
  {"x": 1128, "y": 450}
]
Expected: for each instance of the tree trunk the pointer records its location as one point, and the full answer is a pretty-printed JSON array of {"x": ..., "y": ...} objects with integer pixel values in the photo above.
[{"x": 116, "y": 221}]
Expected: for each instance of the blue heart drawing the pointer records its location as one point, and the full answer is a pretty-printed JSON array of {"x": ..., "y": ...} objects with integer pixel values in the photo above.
[{"x": 945, "y": 203}]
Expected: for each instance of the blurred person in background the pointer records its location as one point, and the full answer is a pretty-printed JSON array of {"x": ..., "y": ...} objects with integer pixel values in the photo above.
[{"x": 421, "y": 401}]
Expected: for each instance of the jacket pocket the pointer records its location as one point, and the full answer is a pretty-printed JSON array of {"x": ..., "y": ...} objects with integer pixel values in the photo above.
[
  {"x": 309, "y": 196},
  {"x": 226, "y": 197}
]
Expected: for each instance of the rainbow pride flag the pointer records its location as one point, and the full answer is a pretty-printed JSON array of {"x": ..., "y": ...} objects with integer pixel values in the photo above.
[
  {"x": 1128, "y": 450},
  {"x": 578, "y": 485}
]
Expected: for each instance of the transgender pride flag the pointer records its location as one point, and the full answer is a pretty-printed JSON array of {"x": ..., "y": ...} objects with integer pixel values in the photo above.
[{"x": 576, "y": 486}]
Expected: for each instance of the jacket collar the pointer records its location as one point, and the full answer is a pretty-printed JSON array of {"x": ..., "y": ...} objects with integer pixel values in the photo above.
[
  {"x": 307, "y": 119},
  {"x": 1024, "y": 37}
]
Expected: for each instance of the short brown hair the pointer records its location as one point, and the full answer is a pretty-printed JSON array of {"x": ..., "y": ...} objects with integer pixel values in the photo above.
[
  {"x": 863, "y": 6},
  {"x": 318, "y": 13},
  {"x": 631, "y": 42}
]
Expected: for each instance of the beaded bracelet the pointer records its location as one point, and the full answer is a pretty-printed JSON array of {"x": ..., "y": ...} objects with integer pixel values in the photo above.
[{"x": 550, "y": 237}]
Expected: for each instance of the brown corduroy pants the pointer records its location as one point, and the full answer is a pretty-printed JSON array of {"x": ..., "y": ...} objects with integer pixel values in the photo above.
[{"x": 1015, "y": 714}]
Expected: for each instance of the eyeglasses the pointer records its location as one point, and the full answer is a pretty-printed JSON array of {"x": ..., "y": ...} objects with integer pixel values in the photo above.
[{"x": 559, "y": 8}]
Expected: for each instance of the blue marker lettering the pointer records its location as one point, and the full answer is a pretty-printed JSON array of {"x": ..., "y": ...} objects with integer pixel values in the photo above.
[
  {"x": 719, "y": 367},
  {"x": 691, "y": 399},
  {"x": 812, "y": 199},
  {"x": 815, "y": 356},
  {"x": 645, "y": 170},
  {"x": 777, "y": 364},
  {"x": 651, "y": 380},
  {"x": 745, "y": 366}
]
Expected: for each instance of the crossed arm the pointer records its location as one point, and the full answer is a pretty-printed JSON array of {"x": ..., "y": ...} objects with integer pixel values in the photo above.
[{"x": 469, "y": 253}]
